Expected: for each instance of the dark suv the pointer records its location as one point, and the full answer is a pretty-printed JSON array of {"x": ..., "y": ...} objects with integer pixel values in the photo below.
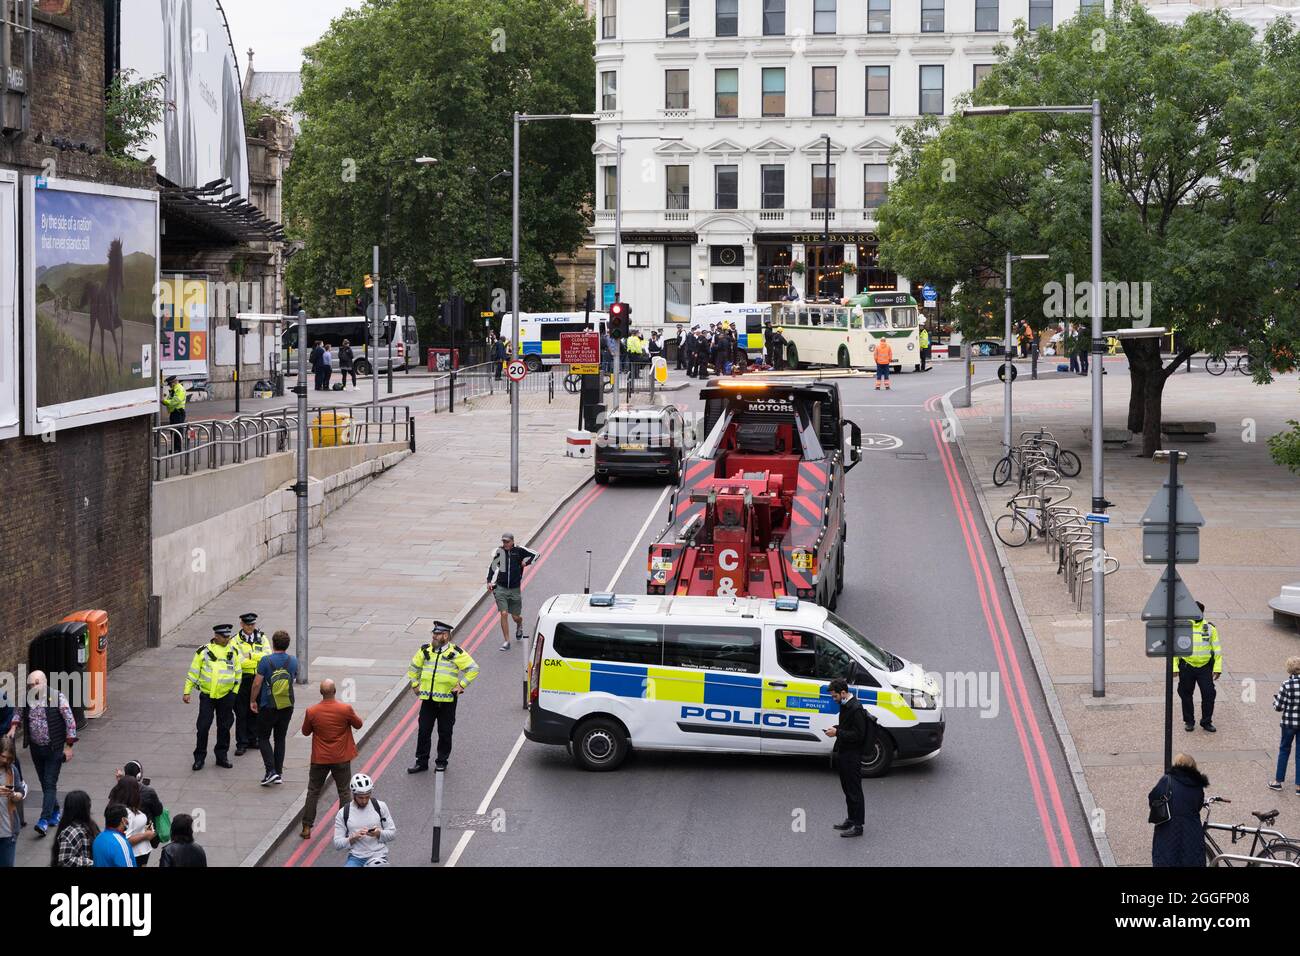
[{"x": 642, "y": 442}]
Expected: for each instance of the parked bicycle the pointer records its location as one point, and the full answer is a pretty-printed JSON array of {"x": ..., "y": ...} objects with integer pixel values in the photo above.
[
  {"x": 1240, "y": 362},
  {"x": 1034, "y": 448},
  {"x": 1266, "y": 843}
]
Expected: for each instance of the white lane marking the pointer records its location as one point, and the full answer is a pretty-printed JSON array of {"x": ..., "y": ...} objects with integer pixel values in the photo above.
[
  {"x": 519, "y": 743},
  {"x": 636, "y": 542}
]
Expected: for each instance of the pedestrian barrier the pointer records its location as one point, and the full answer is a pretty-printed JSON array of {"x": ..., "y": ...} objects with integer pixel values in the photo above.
[{"x": 190, "y": 447}]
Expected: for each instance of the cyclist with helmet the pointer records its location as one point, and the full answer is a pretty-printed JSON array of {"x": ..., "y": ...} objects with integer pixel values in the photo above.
[{"x": 364, "y": 826}]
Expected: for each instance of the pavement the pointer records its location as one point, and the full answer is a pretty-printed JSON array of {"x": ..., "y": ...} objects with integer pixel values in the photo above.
[
  {"x": 411, "y": 546},
  {"x": 1250, "y": 548}
]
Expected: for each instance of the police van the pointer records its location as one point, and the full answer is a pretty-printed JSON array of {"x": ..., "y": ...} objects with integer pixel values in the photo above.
[{"x": 609, "y": 673}]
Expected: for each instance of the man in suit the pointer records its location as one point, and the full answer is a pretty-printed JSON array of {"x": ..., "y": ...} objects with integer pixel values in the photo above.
[{"x": 850, "y": 740}]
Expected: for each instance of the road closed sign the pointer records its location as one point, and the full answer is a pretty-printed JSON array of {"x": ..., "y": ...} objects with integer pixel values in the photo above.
[
  {"x": 579, "y": 348},
  {"x": 516, "y": 370}
]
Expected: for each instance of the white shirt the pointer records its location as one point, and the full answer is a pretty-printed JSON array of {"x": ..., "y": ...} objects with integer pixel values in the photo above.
[{"x": 135, "y": 823}]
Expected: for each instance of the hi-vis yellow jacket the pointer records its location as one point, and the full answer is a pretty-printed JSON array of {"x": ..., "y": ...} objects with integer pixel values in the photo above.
[
  {"x": 435, "y": 671},
  {"x": 215, "y": 671}
]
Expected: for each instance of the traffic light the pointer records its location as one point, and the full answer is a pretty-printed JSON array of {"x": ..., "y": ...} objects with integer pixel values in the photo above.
[{"x": 620, "y": 318}]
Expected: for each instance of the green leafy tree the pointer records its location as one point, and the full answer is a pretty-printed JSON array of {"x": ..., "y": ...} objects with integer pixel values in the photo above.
[
  {"x": 132, "y": 105},
  {"x": 398, "y": 79},
  {"x": 1199, "y": 195}
]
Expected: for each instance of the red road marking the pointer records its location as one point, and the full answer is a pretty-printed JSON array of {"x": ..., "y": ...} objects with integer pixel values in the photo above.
[
  {"x": 399, "y": 735},
  {"x": 1008, "y": 660}
]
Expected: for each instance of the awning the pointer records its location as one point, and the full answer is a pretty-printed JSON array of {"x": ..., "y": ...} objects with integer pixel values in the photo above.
[{"x": 214, "y": 215}]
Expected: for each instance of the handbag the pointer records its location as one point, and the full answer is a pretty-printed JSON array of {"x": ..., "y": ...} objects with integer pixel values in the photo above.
[
  {"x": 1161, "y": 812},
  {"x": 162, "y": 826}
]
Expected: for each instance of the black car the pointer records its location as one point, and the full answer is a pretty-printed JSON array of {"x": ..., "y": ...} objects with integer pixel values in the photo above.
[{"x": 642, "y": 442}]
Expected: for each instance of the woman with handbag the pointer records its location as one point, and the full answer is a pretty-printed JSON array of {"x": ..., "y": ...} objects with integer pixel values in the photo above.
[{"x": 1176, "y": 803}]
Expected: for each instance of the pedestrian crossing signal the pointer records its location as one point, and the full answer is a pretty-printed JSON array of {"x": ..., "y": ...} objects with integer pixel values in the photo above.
[
  {"x": 369, "y": 282},
  {"x": 620, "y": 316}
]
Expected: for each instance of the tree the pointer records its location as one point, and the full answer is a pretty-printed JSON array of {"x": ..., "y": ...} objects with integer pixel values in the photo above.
[
  {"x": 1200, "y": 175},
  {"x": 399, "y": 79}
]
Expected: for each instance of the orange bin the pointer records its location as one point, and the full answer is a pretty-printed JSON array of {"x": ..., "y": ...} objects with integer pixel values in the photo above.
[{"x": 96, "y": 659}]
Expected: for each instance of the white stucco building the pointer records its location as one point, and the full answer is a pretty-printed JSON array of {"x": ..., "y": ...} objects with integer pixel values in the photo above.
[{"x": 743, "y": 92}]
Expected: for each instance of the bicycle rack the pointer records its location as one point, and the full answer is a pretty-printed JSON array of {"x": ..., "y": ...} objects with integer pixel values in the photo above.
[{"x": 1252, "y": 860}]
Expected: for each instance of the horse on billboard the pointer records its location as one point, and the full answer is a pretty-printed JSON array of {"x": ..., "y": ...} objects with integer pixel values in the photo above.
[{"x": 104, "y": 299}]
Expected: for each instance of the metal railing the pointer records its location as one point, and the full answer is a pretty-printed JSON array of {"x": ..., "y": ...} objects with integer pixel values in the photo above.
[{"x": 191, "y": 447}]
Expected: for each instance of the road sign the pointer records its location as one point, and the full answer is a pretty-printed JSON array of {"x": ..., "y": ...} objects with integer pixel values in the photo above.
[
  {"x": 929, "y": 296},
  {"x": 516, "y": 370},
  {"x": 342, "y": 292},
  {"x": 1157, "y": 608},
  {"x": 607, "y": 297},
  {"x": 1158, "y": 633},
  {"x": 584, "y": 369},
  {"x": 579, "y": 348},
  {"x": 1098, "y": 518},
  {"x": 1155, "y": 529}
]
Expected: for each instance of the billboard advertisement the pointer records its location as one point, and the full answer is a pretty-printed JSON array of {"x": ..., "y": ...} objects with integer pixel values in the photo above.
[
  {"x": 90, "y": 267},
  {"x": 183, "y": 313},
  {"x": 201, "y": 135},
  {"x": 9, "y": 424}
]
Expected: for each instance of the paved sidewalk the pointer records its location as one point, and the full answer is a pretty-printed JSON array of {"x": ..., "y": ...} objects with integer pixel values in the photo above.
[
  {"x": 412, "y": 546},
  {"x": 1250, "y": 548}
]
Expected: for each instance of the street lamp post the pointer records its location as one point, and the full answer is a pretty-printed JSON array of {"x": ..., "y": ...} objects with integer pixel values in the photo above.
[
  {"x": 1098, "y": 349},
  {"x": 826, "y": 223},
  {"x": 618, "y": 230},
  {"x": 1006, "y": 359}
]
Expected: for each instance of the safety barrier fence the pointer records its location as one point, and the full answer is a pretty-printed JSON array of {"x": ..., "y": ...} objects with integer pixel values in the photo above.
[{"x": 190, "y": 447}]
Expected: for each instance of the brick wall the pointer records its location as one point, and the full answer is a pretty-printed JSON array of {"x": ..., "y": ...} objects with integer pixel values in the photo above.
[{"x": 75, "y": 511}]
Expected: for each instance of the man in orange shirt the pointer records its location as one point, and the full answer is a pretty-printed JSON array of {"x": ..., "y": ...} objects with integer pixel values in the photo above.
[
  {"x": 884, "y": 358},
  {"x": 329, "y": 724}
]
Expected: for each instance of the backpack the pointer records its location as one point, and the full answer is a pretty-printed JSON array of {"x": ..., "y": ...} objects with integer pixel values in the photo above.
[
  {"x": 281, "y": 688},
  {"x": 383, "y": 814}
]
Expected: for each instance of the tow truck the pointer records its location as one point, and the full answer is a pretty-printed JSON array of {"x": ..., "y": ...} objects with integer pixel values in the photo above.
[{"x": 759, "y": 510}]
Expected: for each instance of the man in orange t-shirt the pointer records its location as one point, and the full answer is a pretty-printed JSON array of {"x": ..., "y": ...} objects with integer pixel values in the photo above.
[
  {"x": 884, "y": 358},
  {"x": 329, "y": 724}
]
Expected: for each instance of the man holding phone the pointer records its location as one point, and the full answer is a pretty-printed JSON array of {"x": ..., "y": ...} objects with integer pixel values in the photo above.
[
  {"x": 850, "y": 740},
  {"x": 364, "y": 826}
]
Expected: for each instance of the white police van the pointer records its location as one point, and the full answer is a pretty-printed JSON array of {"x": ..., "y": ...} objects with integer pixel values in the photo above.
[{"x": 729, "y": 675}]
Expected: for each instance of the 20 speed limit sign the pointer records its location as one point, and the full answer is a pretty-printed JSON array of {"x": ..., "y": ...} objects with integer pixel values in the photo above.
[{"x": 516, "y": 370}]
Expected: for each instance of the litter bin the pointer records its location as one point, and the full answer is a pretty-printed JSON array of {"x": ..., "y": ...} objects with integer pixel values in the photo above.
[
  {"x": 61, "y": 652},
  {"x": 96, "y": 688},
  {"x": 330, "y": 429}
]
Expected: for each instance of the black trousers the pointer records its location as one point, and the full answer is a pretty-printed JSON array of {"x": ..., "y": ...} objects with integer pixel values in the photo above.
[
  {"x": 443, "y": 713},
  {"x": 224, "y": 711},
  {"x": 681, "y": 357},
  {"x": 349, "y": 371},
  {"x": 849, "y": 765},
  {"x": 1189, "y": 678},
  {"x": 925, "y": 357},
  {"x": 176, "y": 418},
  {"x": 273, "y": 725},
  {"x": 245, "y": 719}
]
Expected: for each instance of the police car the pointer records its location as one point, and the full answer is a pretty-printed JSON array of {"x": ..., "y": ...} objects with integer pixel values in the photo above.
[{"x": 730, "y": 675}]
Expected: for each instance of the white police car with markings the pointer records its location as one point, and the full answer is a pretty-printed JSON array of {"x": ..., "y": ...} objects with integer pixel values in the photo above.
[{"x": 609, "y": 673}]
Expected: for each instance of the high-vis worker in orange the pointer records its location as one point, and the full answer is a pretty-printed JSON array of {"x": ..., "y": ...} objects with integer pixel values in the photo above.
[
  {"x": 439, "y": 673},
  {"x": 215, "y": 673},
  {"x": 884, "y": 358}
]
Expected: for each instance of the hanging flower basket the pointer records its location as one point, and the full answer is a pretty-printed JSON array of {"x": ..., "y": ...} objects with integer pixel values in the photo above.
[
  {"x": 797, "y": 268},
  {"x": 850, "y": 269}
]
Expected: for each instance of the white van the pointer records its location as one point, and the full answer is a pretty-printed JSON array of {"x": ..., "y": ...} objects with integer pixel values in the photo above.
[
  {"x": 541, "y": 331},
  {"x": 730, "y": 675},
  {"x": 397, "y": 331}
]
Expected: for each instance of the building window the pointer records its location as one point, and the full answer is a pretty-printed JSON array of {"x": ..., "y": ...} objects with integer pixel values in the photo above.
[
  {"x": 774, "y": 91},
  {"x": 726, "y": 93},
  {"x": 823, "y": 91},
  {"x": 823, "y": 189},
  {"x": 608, "y": 19},
  {"x": 773, "y": 18},
  {"x": 986, "y": 16},
  {"x": 824, "y": 276},
  {"x": 677, "y": 283},
  {"x": 726, "y": 187},
  {"x": 931, "y": 16},
  {"x": 823, "y": 16},
  {"x": 877, "y": 16},
  {"x": 932, "y": 90},
  {"x": 982, "y": 70},
  {"x": 679, "y": 187},
  {"x": 876, "y": 185},
  {"x": 609, "y": 91},
  {"x": 773, "y": 186},
  {"x": 877, "y": 91},
  {"x": 611, "y": 186},
  {"x": 677, "y": 89},
  {"x": 727, "y": 18},
  {"x": 678, "y": 18},
  {"x": 1040, "y": 14},
  {"x": 1087, "y": 5},
  {"x": 773, "y": 271}
]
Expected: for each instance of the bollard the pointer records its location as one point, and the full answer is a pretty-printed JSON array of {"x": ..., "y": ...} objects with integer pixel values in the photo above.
[
  {"x": 438, "y": 774},
  {"x": 451, "y": 392},
  {"x": 586, "y": 589}
]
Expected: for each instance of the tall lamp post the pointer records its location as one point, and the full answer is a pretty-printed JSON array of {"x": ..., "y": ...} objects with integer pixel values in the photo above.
[
  {"x": 618, "y": 227},
  {"x": 513, "y": 262},
  {"x": 826, "y": 214},
  {"x": 1098, "y": 349},
  {"x": 1010, "y": 344}
]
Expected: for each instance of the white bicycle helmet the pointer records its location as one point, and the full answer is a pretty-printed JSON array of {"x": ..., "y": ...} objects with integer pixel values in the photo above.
[{"x": 361, "y": 784}]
